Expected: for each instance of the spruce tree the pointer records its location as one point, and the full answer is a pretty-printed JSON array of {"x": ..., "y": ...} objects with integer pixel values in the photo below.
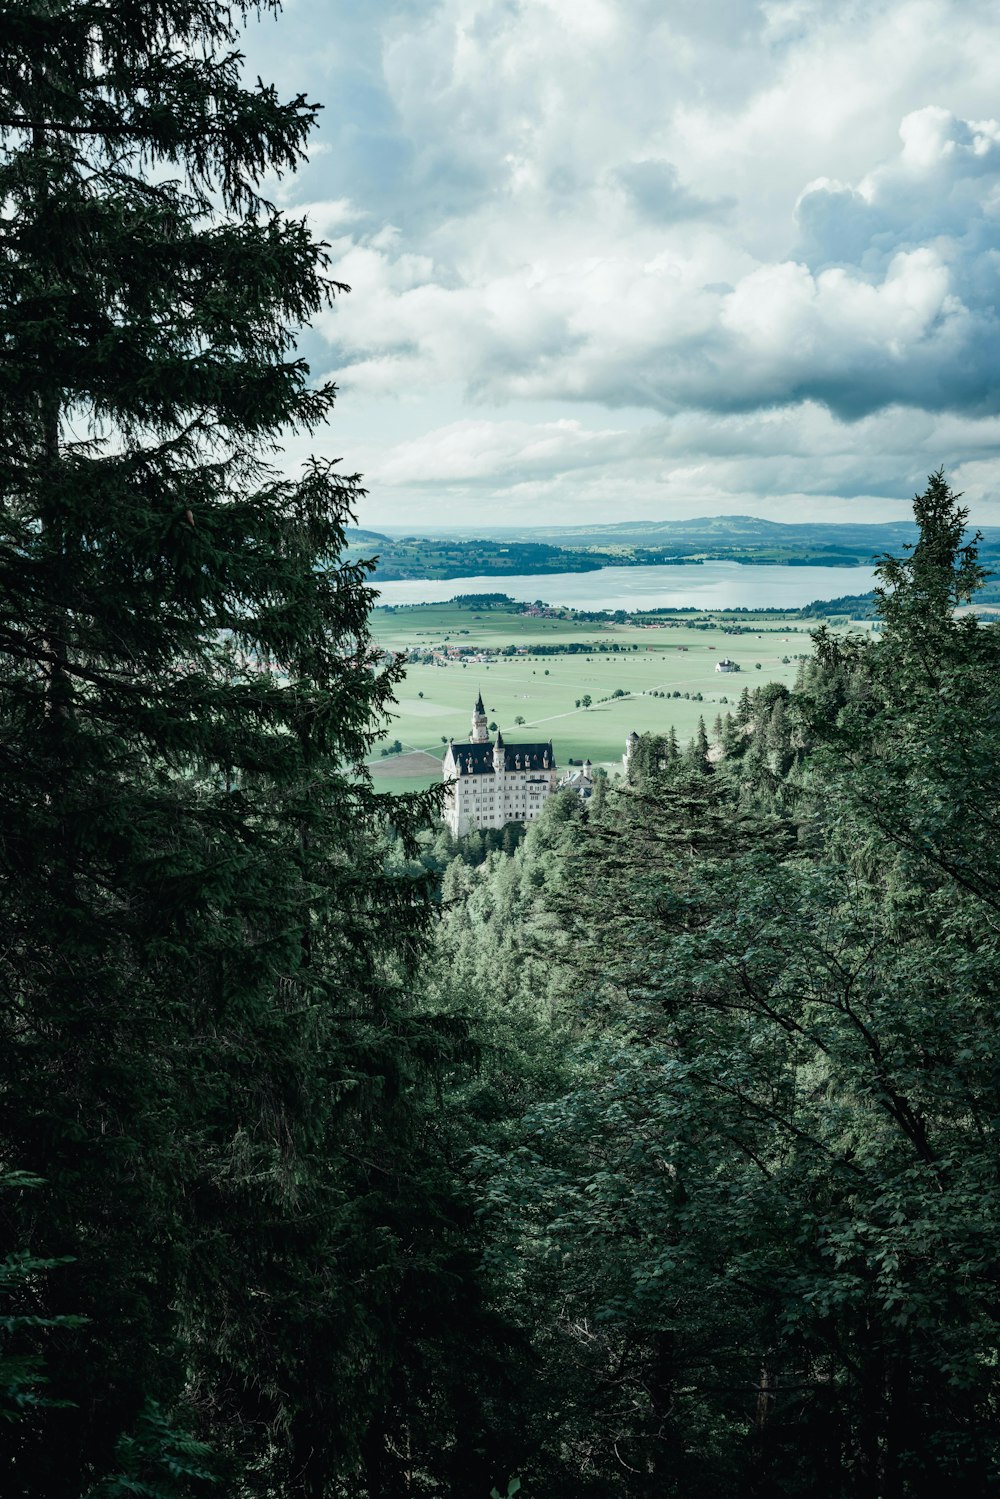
[
  {"x": 917, "y": 595},
  {"x": 205, "y": 1052},
  {"x": 696, "y": 757}
]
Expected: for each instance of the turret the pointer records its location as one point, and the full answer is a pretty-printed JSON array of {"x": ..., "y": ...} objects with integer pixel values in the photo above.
[
  {"x": 498, "y": 753},
  {"x": 480, "y": 734}
]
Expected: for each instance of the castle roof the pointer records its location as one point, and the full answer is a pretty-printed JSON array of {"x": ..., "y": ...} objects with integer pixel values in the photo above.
[
  {"x": 479, "y": 704},
  {"x": 528, "y": 757},
  {"x": 477, "y": 759}
]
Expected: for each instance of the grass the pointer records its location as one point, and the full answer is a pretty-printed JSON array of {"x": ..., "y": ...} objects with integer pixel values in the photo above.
[
  {"x": 454, "y": 624},
  {"x": 435, "y": 701}
]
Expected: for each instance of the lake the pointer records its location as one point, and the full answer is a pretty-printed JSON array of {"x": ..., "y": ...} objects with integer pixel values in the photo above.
[{"x": 712, "y": 585}]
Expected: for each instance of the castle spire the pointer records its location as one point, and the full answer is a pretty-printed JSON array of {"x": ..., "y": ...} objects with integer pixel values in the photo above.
[{"x": 479, "y": 733}]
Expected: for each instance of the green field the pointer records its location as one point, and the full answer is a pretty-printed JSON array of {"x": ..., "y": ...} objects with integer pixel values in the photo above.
[
  {"x": 431, "y": 624},
  {"x": 435, "y": 700}
]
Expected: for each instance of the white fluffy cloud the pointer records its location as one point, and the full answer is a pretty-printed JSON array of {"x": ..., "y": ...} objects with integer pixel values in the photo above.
[
  {"x": 891, "y": 302},
  {"x": 777, "y": 219},
  {"x": 785, "y": 463}
]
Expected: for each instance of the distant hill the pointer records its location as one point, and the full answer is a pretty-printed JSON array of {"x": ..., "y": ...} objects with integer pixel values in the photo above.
[
  {"x": 745, "y": 539},
  {"x": 355, "y": 536},
  {"x": 711, "y": 530},
  {"x": 723, "y": 530}
]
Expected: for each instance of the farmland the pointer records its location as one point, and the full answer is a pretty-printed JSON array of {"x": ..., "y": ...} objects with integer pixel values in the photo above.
[{"x": 579, "y": 658}]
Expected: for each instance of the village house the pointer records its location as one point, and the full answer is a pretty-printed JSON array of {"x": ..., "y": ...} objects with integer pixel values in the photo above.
[{"x": 580, "y": 780}]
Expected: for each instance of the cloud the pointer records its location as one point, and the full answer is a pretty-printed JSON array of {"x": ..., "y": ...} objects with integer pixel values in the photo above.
[
  {"x": 942, "y": 190},
  {"x": 730, "y": 216},
  {"x": 657, "y": 194},
  {"x": 499, "y": 472},
  {"x": 884, "y": 307},
  {"x": 497, "y": 454}
]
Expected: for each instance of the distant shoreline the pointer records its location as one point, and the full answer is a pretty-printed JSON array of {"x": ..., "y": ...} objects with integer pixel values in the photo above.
[
  {"x": 568, "y": 564},
  {"x": 753, "y": 544},
  {"x": 712, "y": 585}
]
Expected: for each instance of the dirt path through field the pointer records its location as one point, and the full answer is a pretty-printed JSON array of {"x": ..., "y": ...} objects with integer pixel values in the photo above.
[
  {"x": 417, "y": 763},
  {"x": 399, "y": 760}
]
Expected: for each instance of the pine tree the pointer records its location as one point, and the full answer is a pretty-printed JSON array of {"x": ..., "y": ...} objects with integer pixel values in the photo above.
[
  {"x": 696, "y": 757},
  {"x": 917, "y": 595},
  {"x": 777, "y": 739},
  {"x": 732, "y": 738},
  {"x": 207, "y": 1054}
]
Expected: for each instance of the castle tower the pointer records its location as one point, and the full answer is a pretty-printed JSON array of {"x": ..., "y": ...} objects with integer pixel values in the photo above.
[
  {"x": 479, "y": 733},
  {"x": 498, "y": 754},
  {"x": 630, "y": 743}
]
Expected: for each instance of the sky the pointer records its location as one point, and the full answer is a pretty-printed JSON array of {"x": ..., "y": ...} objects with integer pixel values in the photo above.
[{"x": 621, "y": 259}]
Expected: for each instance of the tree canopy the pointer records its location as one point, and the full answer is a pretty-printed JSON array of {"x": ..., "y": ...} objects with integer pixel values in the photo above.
[{"x": 211, "y": 1070}]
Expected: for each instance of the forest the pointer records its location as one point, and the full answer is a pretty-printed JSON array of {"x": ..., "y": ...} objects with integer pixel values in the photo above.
[{"x": 650, "y": 1151}]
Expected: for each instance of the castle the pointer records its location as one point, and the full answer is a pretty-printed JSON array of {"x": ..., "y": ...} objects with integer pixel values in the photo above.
[{"x": 495, "y": 783}]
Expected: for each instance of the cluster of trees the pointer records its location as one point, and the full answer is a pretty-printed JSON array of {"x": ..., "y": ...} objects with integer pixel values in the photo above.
[
  {"x": 751, "y": 1229},
  {"x": 853, "y": 605},
  {"x": 731, "y": 1130},
  {"x": 572, "y": 647},
  {"x": 230, "y": 1250},
  {"x": 419, "y": 557},
  {"x": 486, "y": 601},
  {"x": 648, "y": 1151}
]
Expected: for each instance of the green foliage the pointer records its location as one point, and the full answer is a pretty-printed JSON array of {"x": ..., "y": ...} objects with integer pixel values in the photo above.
[
  {"x": 157, "y": 1462},
  {"x": 918, "y": 594},
  {"x": 209, "y": 1047},
  {"x": 753, "y": 1240},
  {"x": 513, "y": 1487},
  {"x": 22, "y": 1367}
]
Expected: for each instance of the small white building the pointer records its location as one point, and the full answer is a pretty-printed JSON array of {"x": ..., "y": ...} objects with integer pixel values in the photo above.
[
  {"x": 580, "y": 779},
  {"x": 495, "y": 783},
  {"x": 726, "y": 665}
]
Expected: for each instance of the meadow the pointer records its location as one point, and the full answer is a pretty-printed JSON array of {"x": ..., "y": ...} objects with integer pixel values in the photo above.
[{"x": 435, "y": 701}]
